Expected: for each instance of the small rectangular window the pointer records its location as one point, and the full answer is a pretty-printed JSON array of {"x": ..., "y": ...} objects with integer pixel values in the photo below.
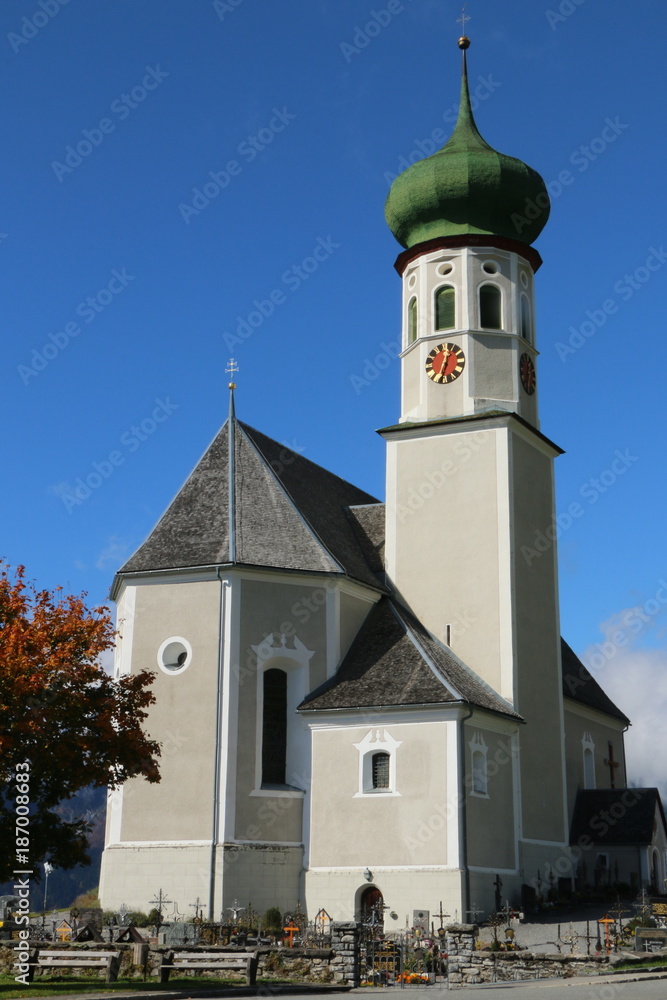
[{"x": 381, "y": 770}]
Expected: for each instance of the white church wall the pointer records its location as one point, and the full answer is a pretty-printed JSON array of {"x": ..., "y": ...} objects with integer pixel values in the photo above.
[
  {"x": 404, "y": 825},
  {"x": 453, "y": 477},
  {"x": 183, "y": 716},
  {"x": 491, "y": 804},
  {"x": 536, "y": 629}
]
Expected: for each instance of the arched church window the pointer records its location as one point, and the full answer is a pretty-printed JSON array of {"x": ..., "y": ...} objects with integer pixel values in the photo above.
[
  {"x": 589, "y": 760},
  {"x": 445, "y": 308},
  {"x": 412, "y": 320},
  {"x": 526, "y": 325},
  {"x": 589, "y": 768},
  {"x": 490, "y": 307},
  {"x": 479, "y": 781},
  {"x": 381, "y": 770},
  {"x": 274, "y": 728}
]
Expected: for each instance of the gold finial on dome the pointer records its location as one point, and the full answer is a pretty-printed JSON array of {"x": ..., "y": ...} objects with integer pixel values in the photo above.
[{"x": 464, "y": 42}]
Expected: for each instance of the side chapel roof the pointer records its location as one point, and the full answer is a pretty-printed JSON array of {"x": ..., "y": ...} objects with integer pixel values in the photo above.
[
  {"x": 395, "y": 661},
  {"x": 617, "y": 815}
]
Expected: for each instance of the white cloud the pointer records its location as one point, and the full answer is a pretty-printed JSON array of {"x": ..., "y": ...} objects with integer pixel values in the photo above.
[
  {"x": 634, "y": 675},
  {"x": 113, "y": 555}
]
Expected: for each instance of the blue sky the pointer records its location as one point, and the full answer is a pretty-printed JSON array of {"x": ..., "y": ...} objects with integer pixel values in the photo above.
[{"x": 125, "y": 291}]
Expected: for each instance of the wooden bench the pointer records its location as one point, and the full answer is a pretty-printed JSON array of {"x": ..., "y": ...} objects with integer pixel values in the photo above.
[
  {"x": 109, "y": 961},
  {"x": 245, "y": 963}
]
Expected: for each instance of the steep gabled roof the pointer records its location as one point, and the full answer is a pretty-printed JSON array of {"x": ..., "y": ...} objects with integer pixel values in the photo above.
[
  {"x": 393, "y": 662},
  {"x": 616, "y": 815},
  {"x": 579, "y": 685},
  {"x": 288, "y": 513}
]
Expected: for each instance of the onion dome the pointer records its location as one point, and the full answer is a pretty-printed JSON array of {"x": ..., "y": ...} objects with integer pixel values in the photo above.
[{"x": 467, "y": 188}]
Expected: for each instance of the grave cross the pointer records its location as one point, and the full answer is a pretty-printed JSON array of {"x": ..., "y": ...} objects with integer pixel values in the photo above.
[
  {"x": 612, "y": 765},
  {"x": 197, "y": 907},
  {"x": 474, "y": 912},
  {"x": 441, "y": 916}
]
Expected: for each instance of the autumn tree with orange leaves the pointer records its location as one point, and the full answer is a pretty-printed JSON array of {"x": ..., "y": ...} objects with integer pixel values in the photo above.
[{"x": 63, "y": 716}]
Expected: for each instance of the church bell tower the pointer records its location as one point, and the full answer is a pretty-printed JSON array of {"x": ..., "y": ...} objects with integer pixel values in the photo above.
[{"x": 469, "y": 473}]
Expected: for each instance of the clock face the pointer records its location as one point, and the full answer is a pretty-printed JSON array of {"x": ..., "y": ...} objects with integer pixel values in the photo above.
[
  {"x": 528, "y": 377},
  {"x": 445, "y": 363}
]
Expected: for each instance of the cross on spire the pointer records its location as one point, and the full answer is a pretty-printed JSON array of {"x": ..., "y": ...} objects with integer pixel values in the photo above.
[
  {"x": 231, "y": 369},
  {"x": 463, "y": 19}
]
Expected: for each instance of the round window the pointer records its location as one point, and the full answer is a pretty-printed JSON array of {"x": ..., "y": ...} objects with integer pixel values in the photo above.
[
  {"x": 174, "y": 655},
  {"x": 524, "y": 279},
  {"x": 490, "y": 267},
  {"x": 445, "y": 268},
  {"x": 412, "y": 281}
]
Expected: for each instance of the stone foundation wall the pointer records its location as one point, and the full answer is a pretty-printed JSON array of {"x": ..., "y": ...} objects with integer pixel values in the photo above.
[
  {"x": 338, "y": 964},
  {"x": 467, "y": 966}
]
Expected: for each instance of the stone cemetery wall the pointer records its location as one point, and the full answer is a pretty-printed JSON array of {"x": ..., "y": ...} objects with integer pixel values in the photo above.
[{"x": 467, "y": 966}]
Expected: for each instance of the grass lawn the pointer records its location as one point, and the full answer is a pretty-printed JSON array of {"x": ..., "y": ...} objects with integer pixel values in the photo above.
[{"x": 55, "y": 986}]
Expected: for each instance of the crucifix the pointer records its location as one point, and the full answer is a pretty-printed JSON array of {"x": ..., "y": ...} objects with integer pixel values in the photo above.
[{"x": 612, "y": 765}]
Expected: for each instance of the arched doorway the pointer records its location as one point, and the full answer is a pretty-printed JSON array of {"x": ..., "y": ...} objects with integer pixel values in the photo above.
[{"x": 371, "y": 906}]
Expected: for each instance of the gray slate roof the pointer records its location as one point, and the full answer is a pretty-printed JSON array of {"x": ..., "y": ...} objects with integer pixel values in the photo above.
[
  {"x": 395, "y": 661},
  {"x": 616, "y": 815},
  {"x": 289, "y": 514},
  {"x": 579, "y": 685}
]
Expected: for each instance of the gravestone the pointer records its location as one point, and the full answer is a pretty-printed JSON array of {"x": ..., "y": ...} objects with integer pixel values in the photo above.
[{"x": 650, "y": 939}]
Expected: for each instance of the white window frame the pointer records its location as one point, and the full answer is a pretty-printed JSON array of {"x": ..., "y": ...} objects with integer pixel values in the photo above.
[{"x": 376, "y": 741}]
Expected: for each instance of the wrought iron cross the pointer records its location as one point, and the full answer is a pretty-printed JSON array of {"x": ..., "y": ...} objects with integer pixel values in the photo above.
[
  {"x": 612, "y": 765},
  {"x": 441, "y": 916}
]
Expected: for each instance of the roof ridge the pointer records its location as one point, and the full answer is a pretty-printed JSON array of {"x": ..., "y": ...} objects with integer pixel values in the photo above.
[
  {"x": 420, "y": 649},
  {"x": 461, "y": 663},
  {"x": 289, "y": 497}
]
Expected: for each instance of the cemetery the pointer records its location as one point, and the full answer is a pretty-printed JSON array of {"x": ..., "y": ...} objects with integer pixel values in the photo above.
[{"x": 247, "y": 947}]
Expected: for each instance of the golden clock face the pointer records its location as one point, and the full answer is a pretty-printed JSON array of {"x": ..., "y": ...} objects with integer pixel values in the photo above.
[
  {"x": 527, "y": 370},
  {"x": 445, "y": 363}
]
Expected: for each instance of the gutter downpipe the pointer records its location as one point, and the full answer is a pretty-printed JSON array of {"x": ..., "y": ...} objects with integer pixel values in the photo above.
[
  {"x": 463, "y": 815},
  {"x": 215, "y": 831}
]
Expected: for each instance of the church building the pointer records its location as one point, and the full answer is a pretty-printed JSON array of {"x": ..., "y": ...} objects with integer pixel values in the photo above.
[{"x": 379, "y": 705}]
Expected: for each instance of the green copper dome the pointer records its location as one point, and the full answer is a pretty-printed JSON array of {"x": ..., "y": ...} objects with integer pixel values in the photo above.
[{"x": 467, "y": 188}]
